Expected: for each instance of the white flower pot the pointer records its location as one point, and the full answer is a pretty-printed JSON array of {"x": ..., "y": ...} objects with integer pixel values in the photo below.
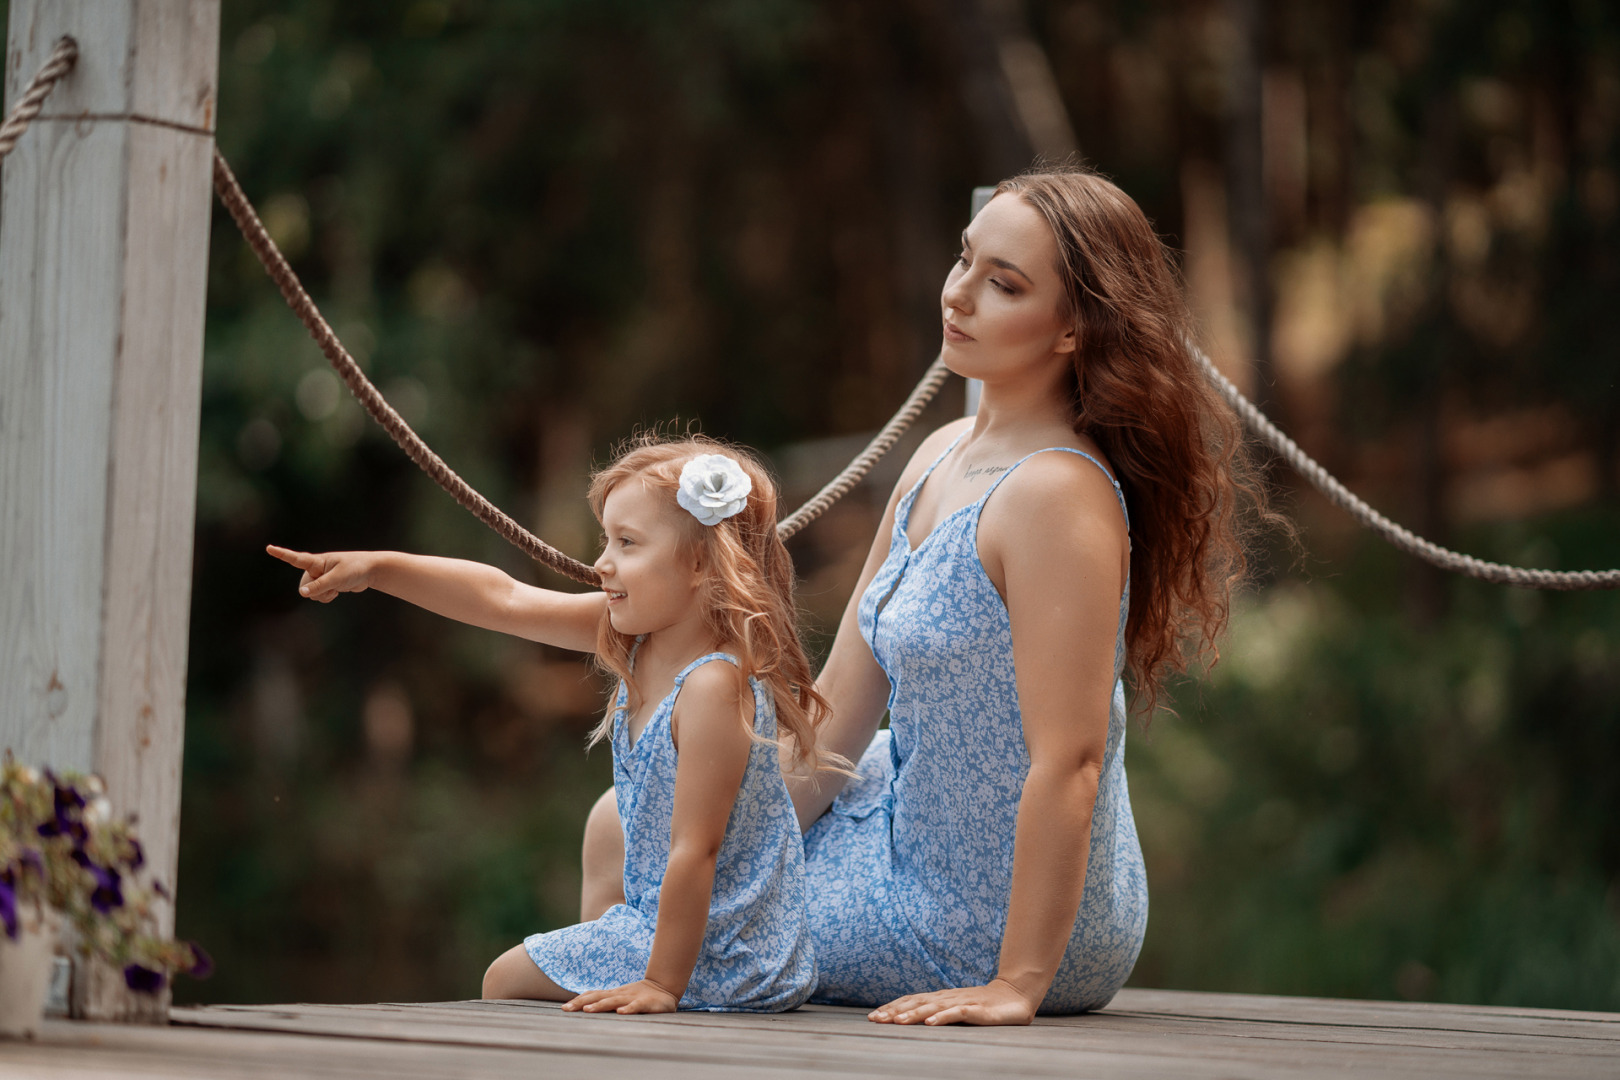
[{"x": 25, "y": 970}]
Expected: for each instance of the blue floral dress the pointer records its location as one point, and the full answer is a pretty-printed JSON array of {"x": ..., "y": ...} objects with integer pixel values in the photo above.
[
  {"x": 757, "y": 954},
  {"x": 910, "y": 871}
]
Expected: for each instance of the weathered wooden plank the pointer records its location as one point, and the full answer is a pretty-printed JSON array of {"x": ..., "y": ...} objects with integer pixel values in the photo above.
[
  {"x": 153, "y": 485},
  {"x": 57, "y": 256},
  {"x": 1392, "y": 1023},
  {"x": 1390, "y": 1014},
  {"x": 104, "y": 1052},
  {"x": 104, "y": 215},
  {"x": 840, "y": 1042},
  {"x": 156, "y": 62}
]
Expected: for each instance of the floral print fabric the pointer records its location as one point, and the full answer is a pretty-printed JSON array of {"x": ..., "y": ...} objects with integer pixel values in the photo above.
[
  {"x": 757, "y": 954},
  {"x": 910, "y": 871}
]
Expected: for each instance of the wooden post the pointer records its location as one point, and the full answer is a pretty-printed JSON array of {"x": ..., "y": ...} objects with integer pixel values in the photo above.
[{"x": 104, "y": 214}]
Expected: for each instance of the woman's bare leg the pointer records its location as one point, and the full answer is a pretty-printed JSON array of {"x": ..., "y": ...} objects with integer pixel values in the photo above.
[
  {"x": 514, "y": 975},
  {"x": 601, "y": 860}
]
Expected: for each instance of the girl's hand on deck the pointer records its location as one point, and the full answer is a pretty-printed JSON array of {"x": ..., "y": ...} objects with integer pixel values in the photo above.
[
  {"x": 637, "y": 997},
  {"x": 998, "y": 1003},
  {"x": 330, "y": 573}
]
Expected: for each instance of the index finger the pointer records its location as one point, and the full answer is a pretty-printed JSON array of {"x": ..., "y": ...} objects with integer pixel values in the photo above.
[{"x": 302, "y": 560}]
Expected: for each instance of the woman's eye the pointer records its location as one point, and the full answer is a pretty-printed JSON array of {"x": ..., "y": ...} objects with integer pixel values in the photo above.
[
  {"x": 1002, "y": 286},
  {"x": 962, "y": 260}
]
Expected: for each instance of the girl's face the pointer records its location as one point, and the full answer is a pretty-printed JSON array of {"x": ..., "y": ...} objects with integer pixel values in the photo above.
[
  {"x": 650, "y": 584},
  {"x": 1003, "y": 299}
]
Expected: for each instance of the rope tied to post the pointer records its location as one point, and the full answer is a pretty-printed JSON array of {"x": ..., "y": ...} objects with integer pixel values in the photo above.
[
  {"x": 62, "y": 59},
  {"x": 292, "y": 290},
  {"x": 1396, "y": 535},
  {"x": 924, "y": 392},
  {"x": 58, "y": 64}
]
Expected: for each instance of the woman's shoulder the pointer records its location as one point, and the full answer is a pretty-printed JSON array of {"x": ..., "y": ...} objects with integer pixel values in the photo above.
[{"x": 1059, "y": 497}]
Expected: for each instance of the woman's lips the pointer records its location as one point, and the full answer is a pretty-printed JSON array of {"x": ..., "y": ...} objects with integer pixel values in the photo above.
[{"x": 953, "y": 334}]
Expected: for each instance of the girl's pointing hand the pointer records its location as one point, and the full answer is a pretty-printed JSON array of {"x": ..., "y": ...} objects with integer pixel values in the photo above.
[{"x": 329, "y": 573}]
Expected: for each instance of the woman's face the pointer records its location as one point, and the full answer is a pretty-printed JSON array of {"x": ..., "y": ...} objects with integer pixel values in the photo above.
[
  {"x": 1002, "y": 301},
  {"x": 651, "y": 584}
]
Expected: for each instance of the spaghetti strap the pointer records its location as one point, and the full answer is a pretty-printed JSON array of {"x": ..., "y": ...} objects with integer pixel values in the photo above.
[
  {"x": 700, "y": 661},
  {"x": 1118, "y": 492}
]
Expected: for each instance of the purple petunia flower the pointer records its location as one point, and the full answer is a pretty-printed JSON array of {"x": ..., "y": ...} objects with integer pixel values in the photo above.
[
  {"x": 109, "y": 891},
  {"x": 8, "y": 905},
  {"x": 66, "y": 795},
  {"x": 202, "y": 965},
  {"x": 69, "y": 817},
  {"x": 143, "y": 980}
]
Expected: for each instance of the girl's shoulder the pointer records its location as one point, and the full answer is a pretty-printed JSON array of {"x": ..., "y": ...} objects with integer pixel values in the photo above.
[{"x": 711, "y": 696}]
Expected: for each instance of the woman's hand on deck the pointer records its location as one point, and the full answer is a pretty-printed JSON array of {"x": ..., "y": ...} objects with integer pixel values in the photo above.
[
  {"x": 330, "y": 573},
  {"x": 998, "y": 1003},
  {"x": 637, "y": 997}
]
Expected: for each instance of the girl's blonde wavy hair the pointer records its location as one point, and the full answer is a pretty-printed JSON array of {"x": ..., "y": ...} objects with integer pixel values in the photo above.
[{"x": 747, "y": 597}]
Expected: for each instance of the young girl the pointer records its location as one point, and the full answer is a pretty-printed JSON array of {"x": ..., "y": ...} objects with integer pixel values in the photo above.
[{"x": 696, "y": 618}]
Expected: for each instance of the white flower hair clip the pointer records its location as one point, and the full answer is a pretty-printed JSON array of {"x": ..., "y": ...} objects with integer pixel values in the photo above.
[{"x": 713, "y": 487}]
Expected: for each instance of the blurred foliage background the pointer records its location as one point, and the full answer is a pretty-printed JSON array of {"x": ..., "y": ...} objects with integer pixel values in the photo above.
[{"x": 541, "y": 223}]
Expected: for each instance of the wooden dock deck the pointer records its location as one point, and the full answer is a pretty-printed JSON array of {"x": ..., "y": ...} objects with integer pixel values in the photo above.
[{"x": 1144, "y": 1033}]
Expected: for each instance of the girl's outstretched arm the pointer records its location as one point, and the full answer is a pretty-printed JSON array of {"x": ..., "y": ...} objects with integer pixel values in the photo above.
[
  {"x": 712, "y": 749},
  {"x": 468, "y": 592}
]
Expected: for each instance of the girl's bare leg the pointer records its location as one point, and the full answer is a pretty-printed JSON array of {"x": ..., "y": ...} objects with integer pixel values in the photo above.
[
  {"x": 514, "y": 975},
  {"x": 601, "y": 860}
]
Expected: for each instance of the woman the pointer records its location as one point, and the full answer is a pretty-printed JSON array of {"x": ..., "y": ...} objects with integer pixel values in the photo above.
[{"x": 985, "y": 866}]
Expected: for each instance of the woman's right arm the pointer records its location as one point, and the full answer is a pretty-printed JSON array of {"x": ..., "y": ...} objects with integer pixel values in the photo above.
[
  {"x": 468, "y": 592},
  {"x": 852, "y": 682}
]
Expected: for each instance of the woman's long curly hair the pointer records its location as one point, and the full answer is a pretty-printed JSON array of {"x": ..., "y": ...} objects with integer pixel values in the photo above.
[
  {"x": 1176, "y": 447},
  {"x": 747, "y": 594}
]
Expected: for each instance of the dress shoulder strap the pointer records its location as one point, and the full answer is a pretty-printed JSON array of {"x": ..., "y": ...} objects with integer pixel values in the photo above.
[
  {"x": 680, "y": 679},
  {"x": 1118, "y": 492},
  {"x": 700, "y": 661}
]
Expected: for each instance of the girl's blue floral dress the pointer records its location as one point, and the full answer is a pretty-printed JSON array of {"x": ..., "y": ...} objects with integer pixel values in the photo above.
[
  {"x": 911, "y": 870},
  {"x": 757, "y": 953}
]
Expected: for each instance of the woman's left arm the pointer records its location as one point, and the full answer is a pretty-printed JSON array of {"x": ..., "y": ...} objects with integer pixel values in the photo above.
[{"x": 1057, "y": 549}]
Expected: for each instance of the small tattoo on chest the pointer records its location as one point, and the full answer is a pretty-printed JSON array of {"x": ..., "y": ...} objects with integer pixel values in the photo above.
[{"x": 976, "y": 471}]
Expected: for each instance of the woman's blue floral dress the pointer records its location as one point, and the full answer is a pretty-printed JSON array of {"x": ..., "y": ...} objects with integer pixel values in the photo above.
[
  {"x": 757, "y": 955},
  {"x": 911, "y": 870}
]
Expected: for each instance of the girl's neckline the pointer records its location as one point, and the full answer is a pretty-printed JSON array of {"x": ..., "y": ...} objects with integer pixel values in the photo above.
[{"x": 621, "y": 704}]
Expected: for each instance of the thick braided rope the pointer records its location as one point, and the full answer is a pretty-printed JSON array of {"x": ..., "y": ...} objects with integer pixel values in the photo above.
[
  {"x": 258, "y": 239},
  {"x": 230, "y": 193},
  {"x": 57, "y": 65},
  {"x": 856, "y": 470},
  {"x": 1400, "y": 537}
]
